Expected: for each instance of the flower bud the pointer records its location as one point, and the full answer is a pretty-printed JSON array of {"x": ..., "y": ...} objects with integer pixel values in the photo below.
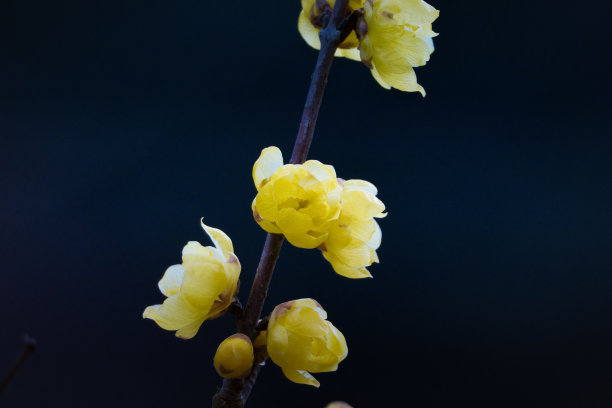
[
  {"x": 301, "y": 340},
  {"x": 234, "y": 357}
]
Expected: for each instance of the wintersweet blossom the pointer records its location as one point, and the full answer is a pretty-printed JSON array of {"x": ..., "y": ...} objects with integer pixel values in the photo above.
[
  {"x": 199, "y": 289},
  {"x": 300, "y": 201},
  {"x": 391, "y": 37},
  {"x": 234, "y": 356},
  {"x": 300, "y": 340},
  {"x": 353, "y": 240},
  {"x": 395, "y": 36}
]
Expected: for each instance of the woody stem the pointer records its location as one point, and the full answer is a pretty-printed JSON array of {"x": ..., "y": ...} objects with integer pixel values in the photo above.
[{"x": 235, "y": 392}]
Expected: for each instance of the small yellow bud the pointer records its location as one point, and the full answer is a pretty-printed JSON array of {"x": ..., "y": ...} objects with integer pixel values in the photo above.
[
  {"x": 199, "y": 289},
  {"x": 234, "y": 357},
  {"x": 301, "y": 341}
]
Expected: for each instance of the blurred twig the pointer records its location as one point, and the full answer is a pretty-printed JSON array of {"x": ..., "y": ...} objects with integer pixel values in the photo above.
[{"x": 29, "y": 345}]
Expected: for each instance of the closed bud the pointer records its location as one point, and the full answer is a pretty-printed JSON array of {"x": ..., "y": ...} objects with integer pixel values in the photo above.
[{"x": 234, "y": 357}]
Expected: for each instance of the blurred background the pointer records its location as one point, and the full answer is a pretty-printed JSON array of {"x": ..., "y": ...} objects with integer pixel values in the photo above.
[{"x": 122, "y": 123}]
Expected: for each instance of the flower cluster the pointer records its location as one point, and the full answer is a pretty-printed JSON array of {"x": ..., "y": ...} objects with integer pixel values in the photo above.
[
  {"x": 315, "y": 209},
  {"x": 391, "y": 37},
  {"x": 202, "y": 288}
]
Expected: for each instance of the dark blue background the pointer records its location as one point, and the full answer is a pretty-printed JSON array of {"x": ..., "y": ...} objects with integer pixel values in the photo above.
[{"x": 122, "y": 123}]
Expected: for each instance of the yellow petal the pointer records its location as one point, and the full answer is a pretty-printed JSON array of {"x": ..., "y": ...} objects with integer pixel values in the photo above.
[
  {"x": 378, "y": 79},
  {"x": 345, "y": 270},
  {"x": 265, "y": 203},
  {"x": 360, "y": 204},
  {"x": 306, "y": 322},
  {"x": 309, "y": 33},
  {"x": 401, "y": 77},
  {"x": 219, "y": 238},
  {"x": 190, "y": 330},
  {"x": 308, "y": 241},
  {"x": 300, "y": 377},
  {"x": 417, "y": 12},
  {"x": 320, "y": 171},
  {"x": 174, "y": 314},
  {"x": 270, "y": 160},
  {"x": 350, "y": 53},
  {"x": 376, "y": 237},
  {"x": 362, "y": 185},
  {"x": 170, "y": 283},
  {"x": 294, "y": 222}
]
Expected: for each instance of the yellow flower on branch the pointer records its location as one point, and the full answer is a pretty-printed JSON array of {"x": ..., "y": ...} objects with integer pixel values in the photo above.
[
  {"x": 301, "y": 341},
  {"x": 395, "y": 36},
  {"x": 199, "y": 289},
  {"x": 353, "y": 240},
  {"x": 300, "y": 201},
  {"x": 234, "y": 357},
  {"x": 391, "y": 37}
]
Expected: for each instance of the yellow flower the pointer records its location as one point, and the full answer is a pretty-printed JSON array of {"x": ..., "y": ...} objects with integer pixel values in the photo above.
[
  {"x": 300, "y": 201},
  {"x": 352, "y": 241},
  {"x": 202, "y": 288},
  {"x": 395, "y": 36},
  {"x": 234, "y": 357},
  {"x": 309, "y": 24},
  {"x": 301, "y": 341}
]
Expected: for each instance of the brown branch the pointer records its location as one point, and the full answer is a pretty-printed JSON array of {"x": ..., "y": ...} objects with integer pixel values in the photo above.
[
  {"x": 28, "y": 348},
  {"x": 235, "y": 392},
  {"x": 331, "y": 38}
]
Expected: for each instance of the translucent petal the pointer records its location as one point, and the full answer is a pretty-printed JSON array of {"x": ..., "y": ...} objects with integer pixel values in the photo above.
[
  {"x": 300, "y": 377},
  {"x": 190, "y": 330},
  {"x": 345, "y": 270},
  {"x": 376, "y": 238},
  {"x": 309, "y": 33},
  {"x": 360, "y": 204},
  {"x": 320, "y": 171},
  {"x": 270, "y": 160},
  {"x": 356, "y": 184},
  {"x": 219, "y": 238},
  {"x": 170, "y": 283}
]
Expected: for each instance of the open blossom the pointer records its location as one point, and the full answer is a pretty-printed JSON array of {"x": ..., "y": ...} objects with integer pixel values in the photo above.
[
  {"x": 234, "y": 357},
  {"x": 300, "y": 201},
  {"x": 391, "y": 38},
  {"x": 301, "y": 341},
  {"x": 395, "y": 36},
  {"x": 352, "y": 241},
  {"x": 199, "y": 289}
]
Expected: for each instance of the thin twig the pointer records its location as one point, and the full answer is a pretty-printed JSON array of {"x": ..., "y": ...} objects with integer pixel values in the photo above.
[
  {"x": 235, "y": 392},
  {"x": 29, "y": 345}
]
